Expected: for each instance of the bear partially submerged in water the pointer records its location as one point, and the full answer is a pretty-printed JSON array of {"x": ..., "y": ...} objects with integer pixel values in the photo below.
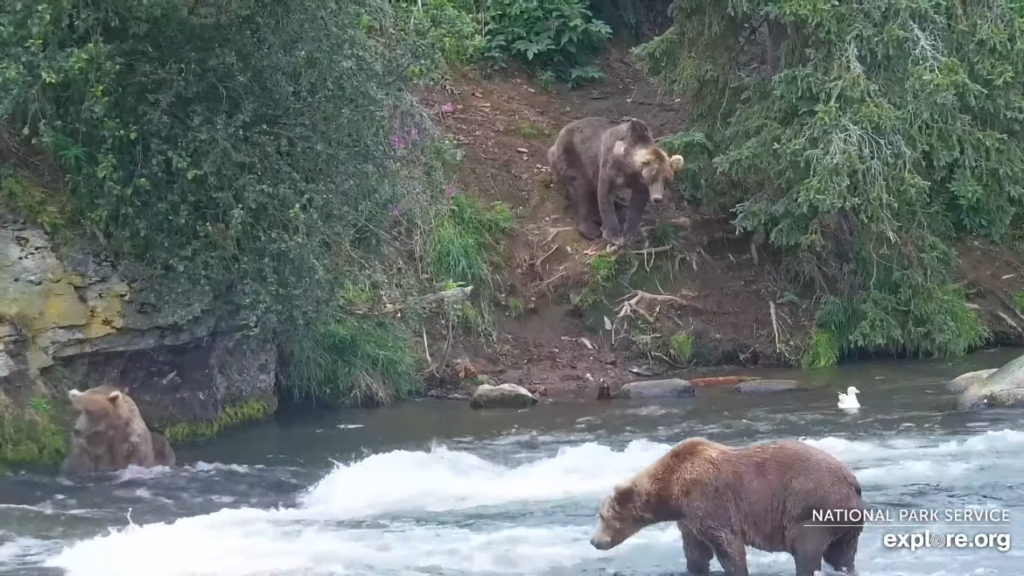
[
  {"x": 110, "y": 434},
  {"x": 596, "y": 157},
  {"x": 724, "y": 499}
]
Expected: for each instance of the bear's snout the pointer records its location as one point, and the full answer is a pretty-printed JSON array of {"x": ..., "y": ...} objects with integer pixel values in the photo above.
[{"x": 600, "y": 543}]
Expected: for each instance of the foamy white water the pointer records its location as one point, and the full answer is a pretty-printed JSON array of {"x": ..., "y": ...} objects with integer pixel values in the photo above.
[{"x": 449, "y": 512}]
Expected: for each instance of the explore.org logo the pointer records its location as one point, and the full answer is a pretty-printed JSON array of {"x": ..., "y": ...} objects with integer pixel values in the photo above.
[{"x": 939, "y": 528}]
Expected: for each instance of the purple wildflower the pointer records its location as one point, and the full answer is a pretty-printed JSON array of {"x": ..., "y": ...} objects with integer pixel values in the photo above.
[
  {"x": 450, "y": 191},
  {"x": 396, "y": 141},
  {"x": 447, "y": 108}
]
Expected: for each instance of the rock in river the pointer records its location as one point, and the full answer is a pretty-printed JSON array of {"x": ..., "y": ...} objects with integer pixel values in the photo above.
[
  {"x": 769, "y": 387},
  {"x": 1003, "y": 388},
  {"x": 670, "y": 388},
  {"x": 965, "y": 381},
  {"x": 503, "y": 396}
]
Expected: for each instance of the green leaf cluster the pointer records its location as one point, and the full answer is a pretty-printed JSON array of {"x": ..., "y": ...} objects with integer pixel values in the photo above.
[
  {"x": 864, "y": 139},
  {"x": 559, "y": 36}
]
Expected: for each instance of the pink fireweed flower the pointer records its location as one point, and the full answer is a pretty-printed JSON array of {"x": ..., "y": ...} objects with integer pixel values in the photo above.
[{"x": 447, "y": 108}]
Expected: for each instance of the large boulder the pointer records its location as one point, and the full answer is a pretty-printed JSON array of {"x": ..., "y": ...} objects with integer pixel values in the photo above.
[
  {"x": 501, "y": 396},
  {"x": 769, "y": 387},
  {"x": 653, "y": 389},
  {"x": 965, "y": 381},
  {"x": 1003, "y": 388}
]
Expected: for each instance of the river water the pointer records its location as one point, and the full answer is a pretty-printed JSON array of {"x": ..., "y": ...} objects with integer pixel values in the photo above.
[{"x": 435, "y": 488}]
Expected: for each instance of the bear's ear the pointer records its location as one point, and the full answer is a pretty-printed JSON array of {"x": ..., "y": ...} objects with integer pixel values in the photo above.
[
  {"x": 72, "y": 394},
  {"x": 638, "y": 127},
  {"x": 114, "y": 397},
  {"x": 625, "y": 494},
  {"x": 676, "y": 162}
]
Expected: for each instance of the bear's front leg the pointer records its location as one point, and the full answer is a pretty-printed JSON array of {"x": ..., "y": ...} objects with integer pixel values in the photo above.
[
  {"x": 638, "y": 199},
  {"x": 610, "y": 229},
  {"x": 698, "y": 553}
]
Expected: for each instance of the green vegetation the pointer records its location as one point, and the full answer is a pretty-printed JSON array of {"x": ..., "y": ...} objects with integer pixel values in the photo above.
[
  {"x": 258, "y": 151},
  {"x": 681, "y": 348},
  {"x": 556, "y": 36},
  {"x": 271, "y": 154},
  {"x": 30, "y": 436},
  {"x": 250, "y": 411},
  {"x": 465, "y": 239},
  {"x": 894, "y": 130}
]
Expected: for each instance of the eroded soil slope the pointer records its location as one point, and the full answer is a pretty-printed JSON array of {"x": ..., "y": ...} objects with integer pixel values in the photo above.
[{"x": 732, "y": 304}]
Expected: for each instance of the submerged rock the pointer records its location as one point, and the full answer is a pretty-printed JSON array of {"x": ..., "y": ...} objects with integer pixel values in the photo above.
[
  {"x": 670, "y": 388},
  {"x": 503, "y": 396},
  {"x": 1003, "y": 388},
  {"x": 769, "y": 387},
  {"x": 965, "y": 381}
]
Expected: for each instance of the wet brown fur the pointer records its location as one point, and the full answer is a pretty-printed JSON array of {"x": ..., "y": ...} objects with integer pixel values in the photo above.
[
  {"x": 594, "y": 158},
  {"x": 723, "y": 499},
  {"x": 110, "y": 434}
]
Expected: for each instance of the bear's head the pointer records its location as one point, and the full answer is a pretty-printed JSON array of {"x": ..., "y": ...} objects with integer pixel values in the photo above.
[
  {"x": 653, "y": 167},
  {"x": 621, "y": 515},
  {"x": 657, "y": 170},
  {"x": 103, "y": 409}
]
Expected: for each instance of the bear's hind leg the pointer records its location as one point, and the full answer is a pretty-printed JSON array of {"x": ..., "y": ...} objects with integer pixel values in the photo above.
[
  {"x": 808, "y": 549},
  {"x": 698, "y": 553},
  {"x": 732, "y": 555},
  {"x": 841, "y": 552}
]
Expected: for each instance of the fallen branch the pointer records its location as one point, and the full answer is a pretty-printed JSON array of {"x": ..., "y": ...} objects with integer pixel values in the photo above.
[
  {"x": 426, "y": 348},
  {"x": 555, "y": 231},
  {"x": 634, "y": 300},
  {"x": 1008, "y": 321},
  {"x": 550, "y": 252},
  {"x": 646, "y": 251}
]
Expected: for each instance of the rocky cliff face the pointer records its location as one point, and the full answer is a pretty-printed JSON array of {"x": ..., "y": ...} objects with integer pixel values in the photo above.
[{"x": 68, "y": 321}]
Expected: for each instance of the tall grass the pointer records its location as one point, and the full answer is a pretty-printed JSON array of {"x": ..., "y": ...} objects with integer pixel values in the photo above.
[
  {"x": 353, "y": 362},
  {"x": 467, "y": 239}
]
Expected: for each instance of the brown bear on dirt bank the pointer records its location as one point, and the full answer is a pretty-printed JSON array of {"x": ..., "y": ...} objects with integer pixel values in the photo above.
[
  {"x": 110, "y": 434},
  {"x": 596, "y": 157},
  {"x": 723, "y": 499}
]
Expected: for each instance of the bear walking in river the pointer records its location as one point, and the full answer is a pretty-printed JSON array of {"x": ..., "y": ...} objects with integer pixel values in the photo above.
[
  {"x": 724, "y": 499},
  {"x": 596, "y": 157}
]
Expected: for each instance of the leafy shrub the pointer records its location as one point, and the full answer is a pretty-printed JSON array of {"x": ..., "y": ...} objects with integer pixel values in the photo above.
[
  {"x": 555, "y": 35},
  {"x": 251, "y": 149},
  {"x": 875, "y": 136},
  {"x": 440, "y": 34}
]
